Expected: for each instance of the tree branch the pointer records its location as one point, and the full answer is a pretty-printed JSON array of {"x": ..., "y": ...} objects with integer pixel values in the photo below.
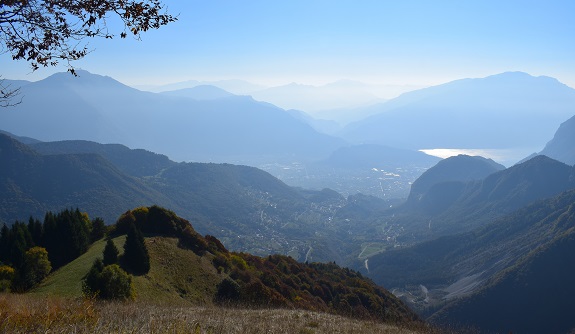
[{"x": 7, "y": 95}]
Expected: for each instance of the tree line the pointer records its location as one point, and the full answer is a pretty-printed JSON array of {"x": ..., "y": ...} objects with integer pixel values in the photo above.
[{"x": 29, "y": 251}]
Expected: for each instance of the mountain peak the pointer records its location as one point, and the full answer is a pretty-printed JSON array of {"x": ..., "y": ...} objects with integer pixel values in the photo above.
[
  {"x": 503, "y": 111},
  {"x": 82, "y": 78},
  {"x": 458, "y": 168}
]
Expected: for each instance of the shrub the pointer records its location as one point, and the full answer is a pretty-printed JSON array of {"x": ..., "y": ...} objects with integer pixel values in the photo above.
[
  {"x": 108, "y": 282},
  {"x": 239, "y": 262},
  {"x": 7, "y": 275},
  {"x": 116, "y": 283},
  {"x": 36, "y": 266},
  {"x": 228, "y": 291}
]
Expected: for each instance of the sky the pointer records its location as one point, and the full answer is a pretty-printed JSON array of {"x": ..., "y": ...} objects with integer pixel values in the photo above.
[{"x": 405, "y": 42}]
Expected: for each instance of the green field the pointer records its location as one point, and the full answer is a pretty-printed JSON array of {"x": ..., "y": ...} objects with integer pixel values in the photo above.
[{"x": 370, "y": 249}]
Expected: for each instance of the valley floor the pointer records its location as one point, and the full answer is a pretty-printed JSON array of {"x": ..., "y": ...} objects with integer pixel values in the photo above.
[{"x": 34, "y": 314}]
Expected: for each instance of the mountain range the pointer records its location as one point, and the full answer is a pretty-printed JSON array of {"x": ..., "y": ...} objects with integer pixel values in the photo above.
[
  {"x": 449, "y": 206},
  {"x": 202, "y": 92},
  {"x": 315, "y": 99},
  {"x": 311, "y": 99},
  {"x": 100, "y": 109},
  {"x": 505, "y": 111},
  {"x": 497, "y": 239}
]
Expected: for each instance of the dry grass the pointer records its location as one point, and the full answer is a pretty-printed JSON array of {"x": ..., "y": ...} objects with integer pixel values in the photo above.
[{"x": 35, "y": 314}]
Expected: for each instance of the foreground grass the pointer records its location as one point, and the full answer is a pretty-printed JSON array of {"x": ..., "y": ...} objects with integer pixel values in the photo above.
[{"x": 33, "y": 314}]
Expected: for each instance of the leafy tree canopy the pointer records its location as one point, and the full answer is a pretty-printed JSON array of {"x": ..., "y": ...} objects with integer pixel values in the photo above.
[
  {"x": 108, "y": 282},
  {"x": 36, "y": 266},
  {"x": 47, "y": 32}
]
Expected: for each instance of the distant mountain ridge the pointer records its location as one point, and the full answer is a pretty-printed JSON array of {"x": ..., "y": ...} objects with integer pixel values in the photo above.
[
  {"x": 451, "y": 207},
  {"x": 100, "y": 109},
  {"x": 33, "y": 184},
  {"x": 236, "y": 87},
  {"x": 138, "y": 162},
  {"x": 314, "y": 98},
  {"x": 506, "y": 110},
  {"x": 562, "y": 147},
  {"x": 202, "y": 92}
]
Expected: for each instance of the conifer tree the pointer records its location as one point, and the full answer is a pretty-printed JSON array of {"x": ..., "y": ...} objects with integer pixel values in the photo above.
[
  {"x": 4, "y": 243},
  {"x": 136, "y": 258},
  {"x": 98, "y": 229},
  {"x": 110, "y": 253},
  {"x": 36, "y": 230}
]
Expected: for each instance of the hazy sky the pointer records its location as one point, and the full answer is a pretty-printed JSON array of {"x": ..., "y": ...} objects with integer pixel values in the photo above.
[{"x": 274, "y": 42}]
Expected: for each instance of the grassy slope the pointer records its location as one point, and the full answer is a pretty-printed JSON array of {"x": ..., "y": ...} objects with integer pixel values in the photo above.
[
  {"x": 177, "y": 276},
  {"x": 67, "y": 281}
]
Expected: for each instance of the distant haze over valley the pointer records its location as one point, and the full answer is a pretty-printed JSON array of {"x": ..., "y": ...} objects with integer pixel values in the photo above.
[
  {"x": 326, "y": 101},
  {"x": 506, "y": 117}
]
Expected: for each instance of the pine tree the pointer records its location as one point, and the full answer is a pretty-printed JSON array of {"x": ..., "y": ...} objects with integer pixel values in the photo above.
[
  {"x": 4, "y": 244},
  {"x": 110, "y": 253},
  {"x": 136, "y": 258},
  {"x": 66, "y": 236},
  {"x": 36, "y": 231},
  {"x": 98, "y": 229}
]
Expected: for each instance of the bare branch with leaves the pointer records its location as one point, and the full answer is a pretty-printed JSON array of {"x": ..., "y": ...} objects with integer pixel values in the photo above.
[
  {"x": 8, "y": 94},
  {"x": 48, "y": 32}
]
